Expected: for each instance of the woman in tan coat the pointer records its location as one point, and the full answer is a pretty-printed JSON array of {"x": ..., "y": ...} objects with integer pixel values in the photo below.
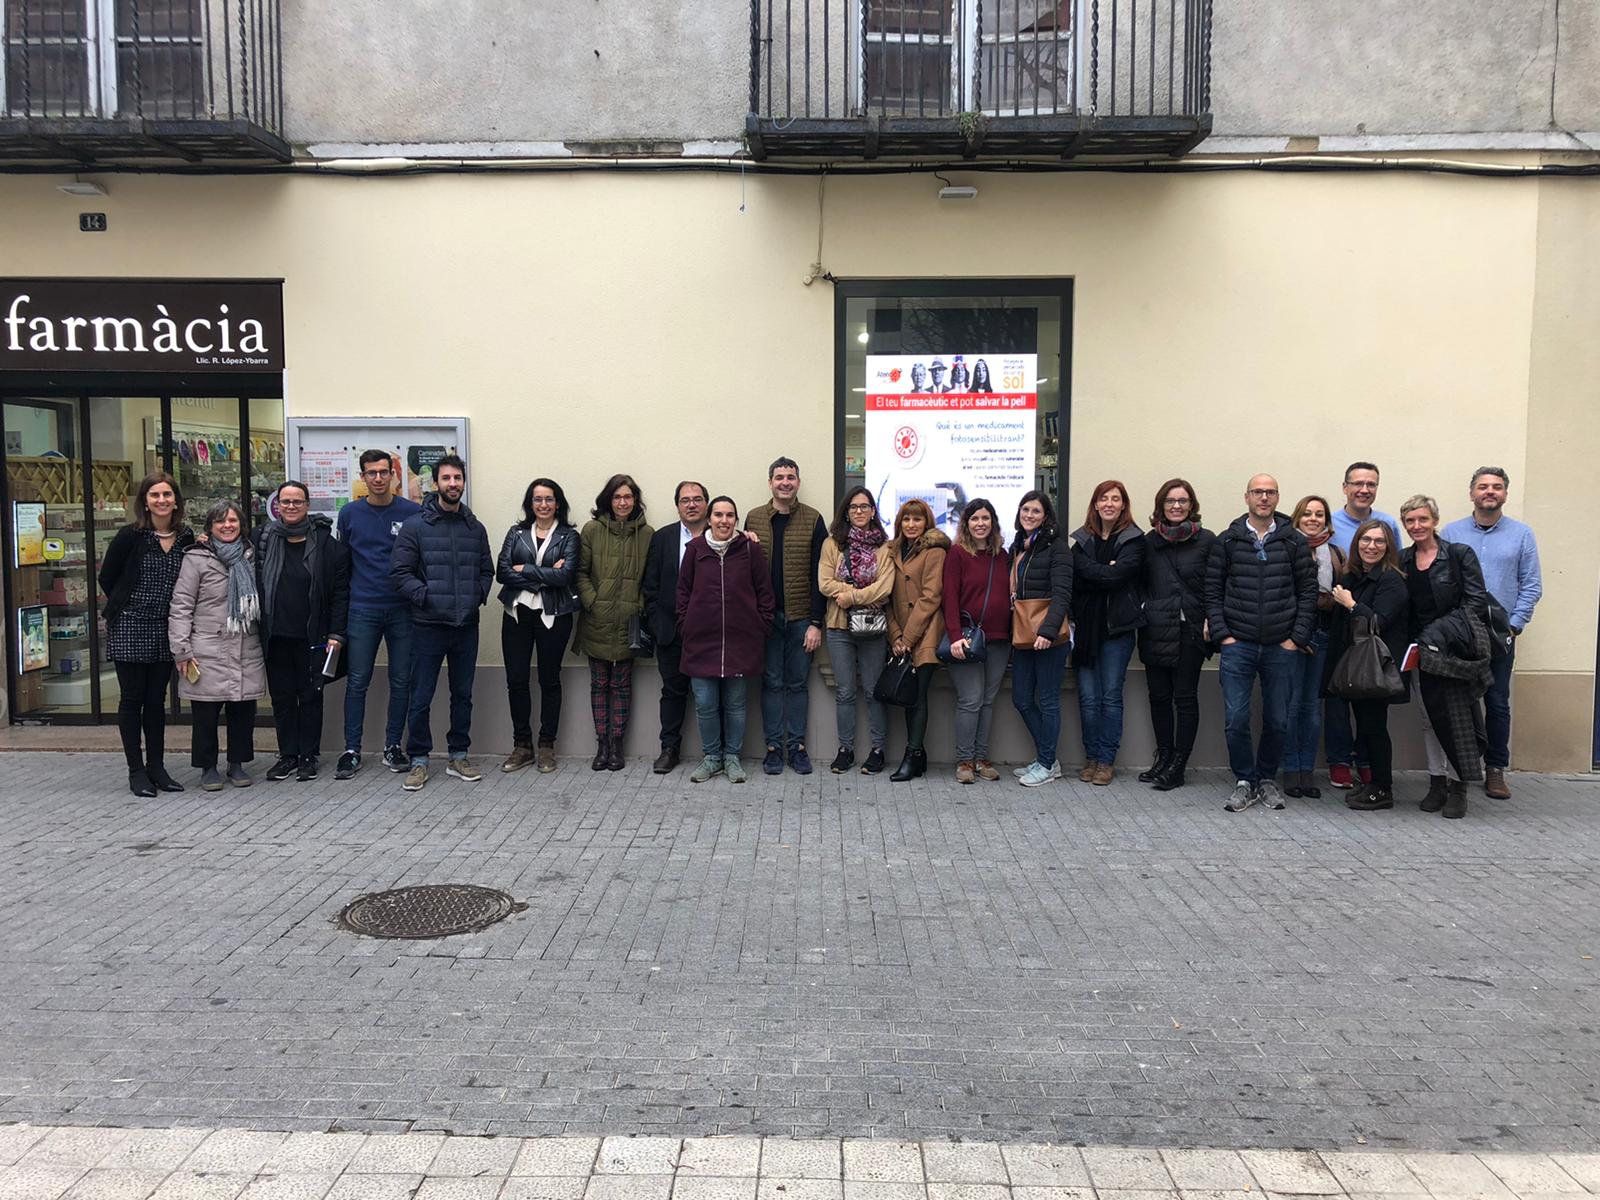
[
  {"x": 214, "y": 630},
  {"x": 854, "y": 573},
  {"x": 916, "y": 617}
]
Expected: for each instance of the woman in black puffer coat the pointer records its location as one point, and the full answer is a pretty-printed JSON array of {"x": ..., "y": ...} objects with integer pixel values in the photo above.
[
  {"x": 1041, "y": 585},
  {"x": 1107, "y": 570},
  {"x": 1172, "y": 641}
]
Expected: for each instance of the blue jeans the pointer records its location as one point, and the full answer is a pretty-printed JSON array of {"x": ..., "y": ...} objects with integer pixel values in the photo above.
[
  {"x": 1242, "y": 662},
  {"x": 1036, "y": 692},
  {"x": 431, "y": 647},
  {"x": 785, "y": 698},
  {"x": 367, "y": 627},
  {"x": 719, "y": 709},
  {"x": 1100, "y": 698},
  {"x": 1305, "y": 709},
  {"x": 1497, "y": 712}
]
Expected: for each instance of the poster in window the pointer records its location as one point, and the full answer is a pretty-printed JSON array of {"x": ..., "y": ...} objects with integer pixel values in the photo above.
[
  {"x": 33, "y": 638},
  {"x": 327, "y": 474},
  {"x": 949, "y": 428},
  {"x": 27, "y": 533},
  {"x": 420, "y": 463}
]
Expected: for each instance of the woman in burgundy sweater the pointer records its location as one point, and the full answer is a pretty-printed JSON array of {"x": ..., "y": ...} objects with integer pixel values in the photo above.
[{"x": 977, "y": 591}]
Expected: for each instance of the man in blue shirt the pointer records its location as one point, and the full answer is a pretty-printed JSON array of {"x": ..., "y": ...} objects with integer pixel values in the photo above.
[
  {"x": 377, "y": 612},
  {"x": 1510, "y": 559},
  {"x": 1360, "y": 494}
]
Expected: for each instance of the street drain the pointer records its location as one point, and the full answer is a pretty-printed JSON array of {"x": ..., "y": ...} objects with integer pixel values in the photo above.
[{"x": 431, "y": 910}]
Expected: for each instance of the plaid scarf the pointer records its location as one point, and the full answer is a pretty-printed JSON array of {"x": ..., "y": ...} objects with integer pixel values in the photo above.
[{"x": 858, "y": 565}]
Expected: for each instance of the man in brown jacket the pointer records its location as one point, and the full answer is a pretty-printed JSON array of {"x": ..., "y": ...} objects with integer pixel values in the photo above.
[{"x": 792, "y": 534}]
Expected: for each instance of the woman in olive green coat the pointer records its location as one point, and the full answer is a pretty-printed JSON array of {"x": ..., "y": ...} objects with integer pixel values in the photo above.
[{"x": 610, "y": 578}]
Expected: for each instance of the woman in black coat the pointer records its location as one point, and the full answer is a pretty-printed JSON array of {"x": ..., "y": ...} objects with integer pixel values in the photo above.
[
  {"x": 1172, "y": 641},
  {"x": 1041, "y": 573},
  {"x": 1373, "y": 586},
  {"x": 1107, "y": 569}
]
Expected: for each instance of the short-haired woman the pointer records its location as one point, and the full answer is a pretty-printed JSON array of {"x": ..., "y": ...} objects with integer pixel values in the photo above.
[
  {"x": 916, "y": 617},
  {"x": 1314, "y": 518},
  {"x": 1041, "y": 573},
  {"x": 538, "y": 571},
  {"x": 725, "y": 605},
  {"x": 137, "y": 574},
  {"x": 1374, "y": 587},
  {"x": 1107, "y": 567},
  {"x": 977, "y": 594},
  {"x": 215, "y": 632},
  {"x": 612, "y": 551},
  {"x": 855, "y": 574}
]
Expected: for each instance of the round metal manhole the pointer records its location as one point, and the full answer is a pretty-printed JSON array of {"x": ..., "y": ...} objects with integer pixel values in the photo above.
[{"x": 431, "y": 910}]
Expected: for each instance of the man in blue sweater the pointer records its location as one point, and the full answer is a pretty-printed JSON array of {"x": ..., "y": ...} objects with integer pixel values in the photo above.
[
  {"x": 378, "y": 612},
  {"x": 1510, "y": 559}
]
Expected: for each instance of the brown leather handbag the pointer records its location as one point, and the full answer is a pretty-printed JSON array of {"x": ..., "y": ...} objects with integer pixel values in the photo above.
[{"x": 1027, "y": 616}]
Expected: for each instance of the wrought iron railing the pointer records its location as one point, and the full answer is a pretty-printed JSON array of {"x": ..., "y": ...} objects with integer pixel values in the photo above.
[{"x": 158, "y": 61}]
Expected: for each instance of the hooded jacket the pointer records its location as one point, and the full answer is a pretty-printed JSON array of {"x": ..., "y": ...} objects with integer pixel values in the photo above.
[
  {"x": 725, "y": 606},
  {"x": 1174, "y": 595},
  {"x": 1265, "y": 599},
  {"x": 232, "y": 666},
  {"x": 916, "y": 598},
  {"x": 610, "y": 584},
  {"x": 442, "y": 565},
  {"x": 328, "y": 563}
]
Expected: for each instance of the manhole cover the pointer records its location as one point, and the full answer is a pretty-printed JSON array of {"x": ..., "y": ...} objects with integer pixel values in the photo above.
[{"x": 430, "y": 911}]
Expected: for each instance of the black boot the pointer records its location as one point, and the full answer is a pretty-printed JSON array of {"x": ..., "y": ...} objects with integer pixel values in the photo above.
[
  {"x": 139, "y": 783},
  {"x": 164, "y": 782},
  {"x": 602, "y": 755},
  {"x": 1455, "y": 804},
  {"x": 1172, "y": 775},
  {"x": 1437, "y": 793},
  {"x": 919, "y": 763},
  {"x": 905, "y": 770},
  {"x": 614, "y": 759},
  {"x": 1153, "y": 772}
]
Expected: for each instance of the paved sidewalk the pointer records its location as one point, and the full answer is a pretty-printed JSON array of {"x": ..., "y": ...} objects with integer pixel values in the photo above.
[
  {"x": 40, "y": 1163},
  {"x": 832, "y": 956}
]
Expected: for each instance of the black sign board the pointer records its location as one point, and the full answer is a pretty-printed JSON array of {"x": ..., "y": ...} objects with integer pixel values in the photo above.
[{"x": 216, "y": 326}]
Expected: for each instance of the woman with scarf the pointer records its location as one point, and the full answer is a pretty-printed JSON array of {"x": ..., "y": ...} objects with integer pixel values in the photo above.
[
  {"x": 1449, "y": 621},
  {"x": 724, "y": 604},
  {"x": 1041, "y": 599},
  {"x": 854, "y": 572},
  {"x": 916, "y": 617},
  {"x": 303, "y": 576},
  {"x": 1107, "y": 567},
  {"x": 214, "y": 629},
  {"x": 1172, "y": 642},
  {"x": 1313, "y": 518}
]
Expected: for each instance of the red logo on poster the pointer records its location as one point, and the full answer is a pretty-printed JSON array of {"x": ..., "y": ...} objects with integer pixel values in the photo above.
[
  {"x": 906, "y": 441},
  {"x": 894, "y": 375}
]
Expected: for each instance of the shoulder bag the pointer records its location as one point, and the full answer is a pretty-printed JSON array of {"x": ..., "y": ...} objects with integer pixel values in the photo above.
[
  {"x": 1027, "y": 616},
  {"x": 862, "y": 622},
  {"x": 971, "y": 631},
  {"x": 1366, "y": 670}
]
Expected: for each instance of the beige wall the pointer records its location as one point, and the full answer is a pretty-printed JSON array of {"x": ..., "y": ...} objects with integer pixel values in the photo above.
[{"x": 1224, "y": 324}]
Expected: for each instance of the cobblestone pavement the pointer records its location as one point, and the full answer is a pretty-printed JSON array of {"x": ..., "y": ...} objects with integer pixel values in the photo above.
[
  {"x": 41, "y": 1163},
  {"x": 833, "y": 956}
]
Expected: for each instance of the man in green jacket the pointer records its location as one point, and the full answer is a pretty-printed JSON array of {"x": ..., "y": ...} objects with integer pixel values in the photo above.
[{"x": 792, "y": 534}]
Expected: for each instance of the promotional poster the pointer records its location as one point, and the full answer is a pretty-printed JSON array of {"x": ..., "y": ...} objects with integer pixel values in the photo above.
[{"x": 949, "y": 428}]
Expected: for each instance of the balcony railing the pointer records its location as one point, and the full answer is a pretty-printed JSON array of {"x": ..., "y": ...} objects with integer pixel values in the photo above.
[
  {"x": 870, "y": 78},
  {"x": 104, "y": 80}
]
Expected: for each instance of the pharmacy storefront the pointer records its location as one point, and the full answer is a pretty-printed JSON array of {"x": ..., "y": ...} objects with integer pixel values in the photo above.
[{"x": 103, "y": 381}]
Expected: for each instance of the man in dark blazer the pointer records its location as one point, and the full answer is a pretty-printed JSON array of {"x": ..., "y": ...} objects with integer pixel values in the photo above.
[{"x": 660, "y": 607}]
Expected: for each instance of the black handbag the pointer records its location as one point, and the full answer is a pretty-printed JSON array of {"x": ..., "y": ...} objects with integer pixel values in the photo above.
[
  {"x": 1501, "y": 638},
  {"x": 640, "y": 640},
  {"x": 1366, "y": 670},
  {"x": 898, "y": 683},
  {"x": 971, "y": 632}
]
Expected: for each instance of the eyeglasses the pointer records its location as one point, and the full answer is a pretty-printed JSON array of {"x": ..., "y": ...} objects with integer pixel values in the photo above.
[
  {"x": 1178, "y": 503},
  {"x": 380, "y": 473},
  {"x": 539, "y": 500},
  {"x": 1373, "y": 541},
  {"x": 861, "y": 508},
  {"x": 1262, "y": 493},
  {"x": 291, "y": 503}
]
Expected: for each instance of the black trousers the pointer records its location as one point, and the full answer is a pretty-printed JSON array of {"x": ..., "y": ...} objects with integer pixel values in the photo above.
[
  {"x": 241, "y": 716},
  {"x": 1175, "y": 698},
  {"x": 674, "y": 695},
  {"x": 522, "y": 636},
  {"x": 1372, "y": 727},
  {"x": 917, "y": 714},
  {"x": 142, "y": 709},
  {"x": 296, "y": 697}
]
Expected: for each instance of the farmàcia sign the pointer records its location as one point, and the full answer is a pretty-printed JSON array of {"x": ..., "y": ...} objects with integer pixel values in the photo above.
[{"x": 172, "y": 325}]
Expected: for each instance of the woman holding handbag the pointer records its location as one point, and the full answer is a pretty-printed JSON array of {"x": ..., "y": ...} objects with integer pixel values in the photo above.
[
  {"x": 1107, "y": 565},
  {"x": 1312, "y": 517},
  {"x": 1041, "y": 598},
  {"x": 854, "y": 572},
  {"x": 1373, "y": 587},
  {"x": 977, "y": 638},
  {"x": 916, "y": 618}
]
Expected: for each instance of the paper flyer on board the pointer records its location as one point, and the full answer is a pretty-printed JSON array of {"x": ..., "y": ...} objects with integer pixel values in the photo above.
[{"x": 948, "y": 428}]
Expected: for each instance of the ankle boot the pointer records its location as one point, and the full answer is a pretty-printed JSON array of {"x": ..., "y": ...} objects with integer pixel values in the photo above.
[
  {"x": 919, "y": 762},
  {"x": 1455, "y": 804},
  {"x": 905, "y": 770},
  {"x": 164, "y": 782},
  {"x": 1435, "y": 798},
  {"x": 602, "y": 754},
  {"x": 1154, "y": 771},
  {"x": 139, "y": 783},
  {"x": 1172, "y": 775},
  {"x": 614, "y": 759}
]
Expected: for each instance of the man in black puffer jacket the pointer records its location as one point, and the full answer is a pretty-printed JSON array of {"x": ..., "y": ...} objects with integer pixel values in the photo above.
[
  {"x": 1261, "y": 600},
  {"x": 442, "y": 566}
]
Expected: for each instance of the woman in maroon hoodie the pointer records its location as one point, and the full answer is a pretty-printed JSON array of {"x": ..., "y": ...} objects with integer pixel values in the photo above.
[
  {"x": 725, "y": 607},
  {"x": 977, "y": 591}
]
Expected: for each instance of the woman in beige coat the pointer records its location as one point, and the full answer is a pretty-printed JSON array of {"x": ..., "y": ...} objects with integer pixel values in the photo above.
[
  {"x": 916, "y": 617},
  {"x": 215, "y": 631}
]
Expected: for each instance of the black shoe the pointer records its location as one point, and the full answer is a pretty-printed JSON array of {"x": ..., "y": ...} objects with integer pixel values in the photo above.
[
  {"x": 1153, "y": 772},
  {"x": 905, "y": 770},
  {"x": 799, "y": 760},
  {"x": 602, "y": 755},
  {"x": 139, "y": 783},
  {"x": 842, "y": 761},
  {"x": 1172, "y": 776},
  {"x": 307, "y": 770},
  {"x": 1370, "y": 798},
  {"x": 163, "y": 781},
  {"x": 396, "y": 759},
  {"x": 286, "y": 766},
  {"x": 874, "y": 762},
  {"x": 614, "y": 759},
  {"x": 1455, "y": 804},
  {"x": 772, "y": 764},
  {"x": 1437, "y": 793},
  {"x": 1310, "y": 790},
  {"x": 667, "y": 759},
  {"x": 349, "y": 763}
]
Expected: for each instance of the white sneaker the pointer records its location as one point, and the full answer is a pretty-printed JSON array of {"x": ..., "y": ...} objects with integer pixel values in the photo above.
[
  {"x": 1036, "y": 775},
  {"x": 1019, "y": 772},
  {"x": 1244, "y": 795},
  {"x": 1055, "y": 769}
]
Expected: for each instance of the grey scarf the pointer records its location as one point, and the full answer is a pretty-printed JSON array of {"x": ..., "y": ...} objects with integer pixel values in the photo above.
[
  {"x": 720, "y": 549},
  {"x": 298, "y": 528},
  {"x": 244, "y": 606}
]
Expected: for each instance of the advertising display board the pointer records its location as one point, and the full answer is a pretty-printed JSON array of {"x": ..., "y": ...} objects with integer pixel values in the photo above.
[{"x": 325, "y": 453}]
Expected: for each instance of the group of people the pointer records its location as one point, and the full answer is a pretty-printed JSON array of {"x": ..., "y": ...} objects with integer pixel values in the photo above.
[{"x": 719, "y": 601}]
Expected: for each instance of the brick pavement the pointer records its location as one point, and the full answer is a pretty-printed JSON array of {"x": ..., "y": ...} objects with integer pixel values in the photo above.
[{"x": 836, "y": 956}]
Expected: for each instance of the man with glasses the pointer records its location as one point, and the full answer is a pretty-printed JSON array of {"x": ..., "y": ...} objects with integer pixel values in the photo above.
[
  {"x": 660, "y": 612},
  {"x": 1261, "y": 602},
  {"x": 368, "y": 528}
]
